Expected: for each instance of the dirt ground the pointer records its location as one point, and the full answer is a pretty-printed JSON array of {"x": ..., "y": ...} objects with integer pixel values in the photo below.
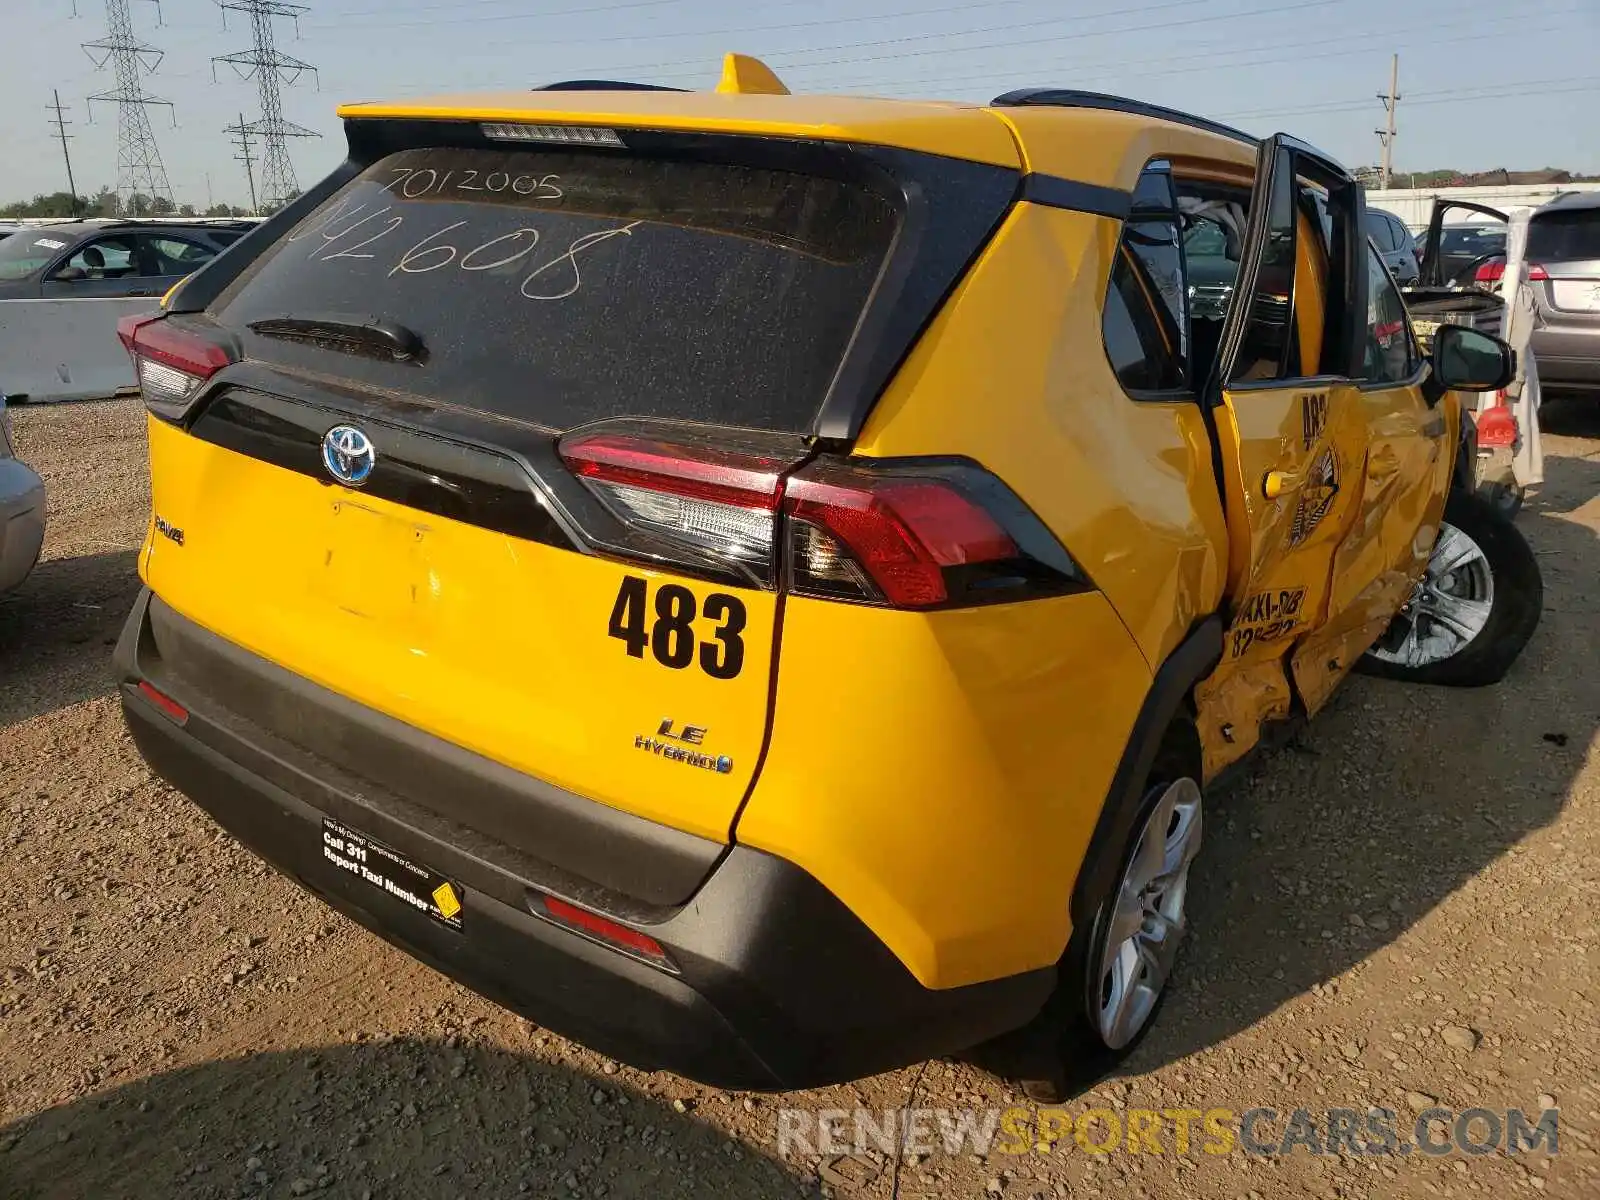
[{"x": 1397, "y": 910}]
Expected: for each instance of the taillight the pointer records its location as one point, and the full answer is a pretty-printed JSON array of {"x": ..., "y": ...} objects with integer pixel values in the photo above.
[
  {"x": 1494, "y": 272},
  {"x": 910, "y": 534},
  {"x": 722, "y": 502},
  {"x": 917, "y": 534},
  {"x": 171, "y": 363}
]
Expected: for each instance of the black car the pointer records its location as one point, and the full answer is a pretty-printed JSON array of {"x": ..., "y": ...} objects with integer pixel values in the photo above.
[
  {"x": 1394, "y": 244},
  {"x": 106, "y": 257}
]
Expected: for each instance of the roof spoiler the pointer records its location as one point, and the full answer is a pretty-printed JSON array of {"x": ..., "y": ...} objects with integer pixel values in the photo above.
[{"x": 741, "y": 75}]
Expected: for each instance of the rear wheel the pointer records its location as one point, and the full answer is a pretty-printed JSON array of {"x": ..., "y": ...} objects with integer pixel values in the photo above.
[
  {"x": 1115, "y": 972},
  {"x": 1475, "y": 607}
]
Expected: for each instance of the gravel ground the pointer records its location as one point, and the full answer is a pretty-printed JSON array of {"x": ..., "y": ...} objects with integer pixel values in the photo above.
[{"x": 1396, "y": 910}]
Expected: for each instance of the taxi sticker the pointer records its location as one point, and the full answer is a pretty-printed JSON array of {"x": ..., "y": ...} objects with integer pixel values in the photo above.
[
  {"x": 48, "y": 243},
  {"x": 393, "y": 873},
  {"x": 1316, "y": 498},
  {"x": 1265, "y": 617}
]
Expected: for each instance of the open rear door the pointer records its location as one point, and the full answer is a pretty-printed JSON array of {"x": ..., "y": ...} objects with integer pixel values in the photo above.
[
  {"x": 1441, "y": 265},
  {"x": 1291, "y": 433}
]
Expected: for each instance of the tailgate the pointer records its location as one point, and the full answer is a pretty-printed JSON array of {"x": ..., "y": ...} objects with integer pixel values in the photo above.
[{"x": 498, "y": 435}]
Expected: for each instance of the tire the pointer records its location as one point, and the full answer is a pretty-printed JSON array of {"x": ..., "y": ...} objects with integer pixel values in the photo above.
[
  {"x": 1077, "y": 1052},
  {"x": 1515, "y": 601}
]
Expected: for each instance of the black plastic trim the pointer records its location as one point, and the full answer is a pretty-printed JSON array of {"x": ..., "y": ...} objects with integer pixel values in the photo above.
[
  {"x": 1046, "y": 97},
  {"x": 585, "y": 851},
  {"x": 1055, "y": 192},
  {"x": 428, "y": 473},
  {"x": 1193, "y": 659},
  {"x": 779, "y": 986},
  {"x": 604, "y": 85}
]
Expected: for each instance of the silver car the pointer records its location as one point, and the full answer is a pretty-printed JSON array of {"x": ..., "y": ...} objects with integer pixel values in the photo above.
[
  {"x": 21, "y": 510},
  {"x": 1564, "y": 268}
]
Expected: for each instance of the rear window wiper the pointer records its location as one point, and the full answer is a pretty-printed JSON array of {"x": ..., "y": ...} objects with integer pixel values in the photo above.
[{"x": 372, "y": 337}]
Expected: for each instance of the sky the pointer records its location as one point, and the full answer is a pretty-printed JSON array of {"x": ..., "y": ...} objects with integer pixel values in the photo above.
[{"x": 1483, "y": 84}]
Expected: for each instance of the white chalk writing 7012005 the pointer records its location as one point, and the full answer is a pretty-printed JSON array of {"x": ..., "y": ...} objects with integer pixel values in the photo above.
[{"x": 415, "y": 182}]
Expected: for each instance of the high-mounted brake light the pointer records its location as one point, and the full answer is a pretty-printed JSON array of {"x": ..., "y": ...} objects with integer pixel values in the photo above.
[
  {"x": 171, "y": 363},
  {"x": 568, "y": 135}
]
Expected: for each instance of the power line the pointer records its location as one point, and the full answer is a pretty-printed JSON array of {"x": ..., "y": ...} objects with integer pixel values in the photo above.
[
  {"x": 139, "y": 168},
  {"x": 779, "y": 57},
  {"x": 1502, "y": 91},
  {"x": 460, "y": 20},
  {"x": 1209, "y": 63},
  {"x": 270, "y": 68},
  {"x": 60, "y": 122}
]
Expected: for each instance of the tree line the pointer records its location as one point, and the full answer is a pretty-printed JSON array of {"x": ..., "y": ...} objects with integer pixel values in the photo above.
[{"x": 106, "y": 203}]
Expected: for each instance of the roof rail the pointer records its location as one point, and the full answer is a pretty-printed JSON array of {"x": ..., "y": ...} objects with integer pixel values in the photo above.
[
  {"x": 604, "y": 85},
  {"x": 1070, "y": 98}
]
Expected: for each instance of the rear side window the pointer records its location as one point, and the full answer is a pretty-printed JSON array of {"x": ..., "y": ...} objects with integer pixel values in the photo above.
[
  {"x": 561, "y": 287},
  {"x": 1562, "y": 236},
  {"x": 1146, "y": 316},
  {"x": 1381, "y": 232},
  {"x": 1390, "y": 355}
]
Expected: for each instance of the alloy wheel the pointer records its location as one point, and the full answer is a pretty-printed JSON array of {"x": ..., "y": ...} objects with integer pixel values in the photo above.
[{"x": 1147, "y": 920}]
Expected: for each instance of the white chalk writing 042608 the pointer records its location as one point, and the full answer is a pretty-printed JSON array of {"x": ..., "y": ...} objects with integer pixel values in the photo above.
[{"x": 432, "y": 254}]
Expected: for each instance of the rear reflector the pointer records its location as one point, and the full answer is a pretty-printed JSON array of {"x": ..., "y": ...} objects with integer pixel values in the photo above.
[
  {"x": 165, "y": 703},
  {"x": 570, "y": 135},
  {"x": 171, "y": 363},
  {"x": 618, "y": 936}
]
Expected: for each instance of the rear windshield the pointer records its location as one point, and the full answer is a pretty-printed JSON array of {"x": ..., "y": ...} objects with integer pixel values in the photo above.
[
  {"x": 1558, "y": 236},
  {"x": 561, "y": 287}
]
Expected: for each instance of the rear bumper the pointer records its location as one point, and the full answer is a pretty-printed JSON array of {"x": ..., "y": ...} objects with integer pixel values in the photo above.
[
  {"x": 778, "y": 985},
  {"x": 22, "y": 512},
  {"x": 1567, "y": 357}
]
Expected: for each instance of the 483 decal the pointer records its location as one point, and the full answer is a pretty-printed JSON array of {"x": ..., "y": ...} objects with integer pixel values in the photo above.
[{"x": 666, "y": 627}]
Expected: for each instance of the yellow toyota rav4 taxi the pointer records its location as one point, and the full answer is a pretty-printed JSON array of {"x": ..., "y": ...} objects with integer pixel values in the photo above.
[{"x": 760, "y": 583}]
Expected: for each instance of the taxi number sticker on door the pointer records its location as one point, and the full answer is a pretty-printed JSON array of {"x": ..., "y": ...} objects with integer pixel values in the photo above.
[
  {"x": 1264, "y": 617},
  {"x": 664, "y": 623}
]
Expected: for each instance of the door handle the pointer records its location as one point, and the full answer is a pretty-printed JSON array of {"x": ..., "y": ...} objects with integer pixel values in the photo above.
[{"x": 1281, "y": 483}]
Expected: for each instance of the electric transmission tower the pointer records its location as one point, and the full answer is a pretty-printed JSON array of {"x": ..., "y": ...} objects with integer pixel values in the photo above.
[
  {"x": 139, "y": 169},
  {"x": 271, "y": 69}
]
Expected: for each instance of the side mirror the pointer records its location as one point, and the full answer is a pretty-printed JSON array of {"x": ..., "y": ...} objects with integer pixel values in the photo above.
[{"x": 1466, "y": 360}]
